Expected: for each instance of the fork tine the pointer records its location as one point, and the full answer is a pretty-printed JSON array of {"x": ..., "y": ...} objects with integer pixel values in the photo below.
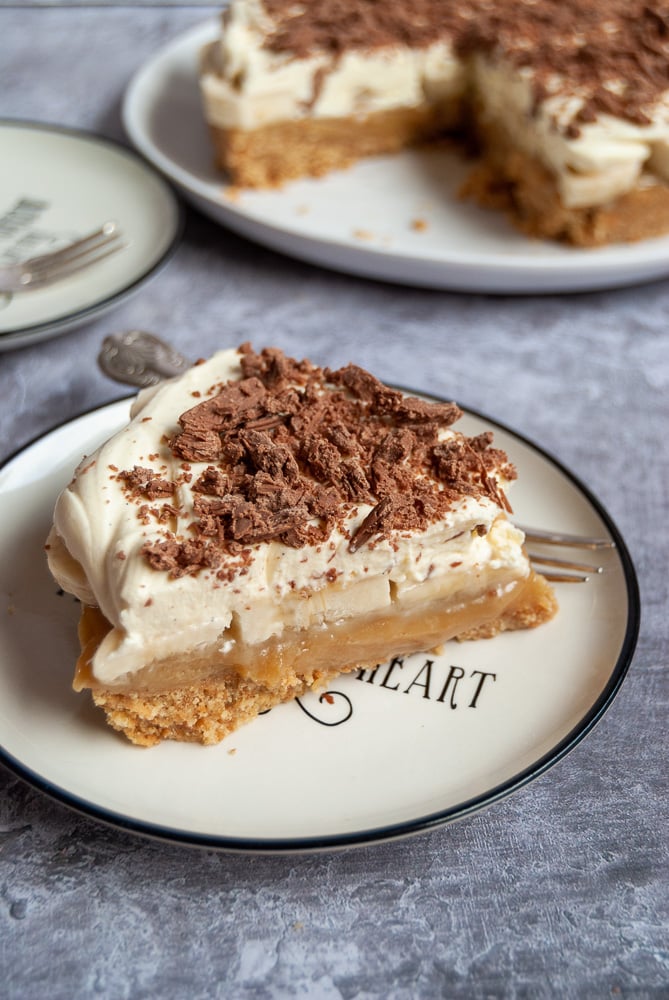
[
  {"x": 573, "y": 541},
  {"x": 565, "y": 578},
  {"x": 49, "y": 276},
  {"x": 542, "y": 560},
  {"x": 107, "y": 234}
]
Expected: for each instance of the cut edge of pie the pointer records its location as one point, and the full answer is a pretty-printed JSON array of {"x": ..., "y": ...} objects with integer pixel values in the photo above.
[{"x": 224, "y": 694}]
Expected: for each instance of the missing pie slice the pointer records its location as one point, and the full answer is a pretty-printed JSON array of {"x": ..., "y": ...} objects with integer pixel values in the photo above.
[
  {"x": 262, "y": 525},
  {"x": 567, "y": 102}
]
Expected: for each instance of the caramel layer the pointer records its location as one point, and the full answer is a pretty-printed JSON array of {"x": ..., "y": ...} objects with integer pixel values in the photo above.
[{"x": 215, "y": 691}]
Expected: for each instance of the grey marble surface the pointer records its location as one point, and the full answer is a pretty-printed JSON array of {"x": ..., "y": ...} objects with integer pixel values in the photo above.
[{"x": 557, "y": 891}]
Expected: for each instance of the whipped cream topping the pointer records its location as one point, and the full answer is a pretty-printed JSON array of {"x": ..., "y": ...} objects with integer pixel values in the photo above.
[
  {"x": 100, "y": 536},
  {"x": 246, "y": 85},
  {"x": 580, "y": 123},
  {"x": 605, "y": 159}
]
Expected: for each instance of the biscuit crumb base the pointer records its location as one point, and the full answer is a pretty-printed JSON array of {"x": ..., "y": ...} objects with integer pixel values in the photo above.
[
  {"x": 269, "y": 156},
  {"x": 200, "y": 713},
  {"x": 510, "y": 181}
]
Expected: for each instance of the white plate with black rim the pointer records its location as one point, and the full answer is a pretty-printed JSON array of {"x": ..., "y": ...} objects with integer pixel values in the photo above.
[
  {"x": 413, "y": 745},
  {"x": 395, "y": 218},
  {"x": 90, "y": 180}
]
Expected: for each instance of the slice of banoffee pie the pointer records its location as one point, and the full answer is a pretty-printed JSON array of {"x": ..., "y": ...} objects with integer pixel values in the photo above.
[{"x": 262, "y": 525}]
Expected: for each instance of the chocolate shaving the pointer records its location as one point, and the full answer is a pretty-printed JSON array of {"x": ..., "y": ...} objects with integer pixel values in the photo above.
[
  {"x": 373, "y": 524},
  {"x": 334, "y": 26},
  {"x": 144, "y": 482}
]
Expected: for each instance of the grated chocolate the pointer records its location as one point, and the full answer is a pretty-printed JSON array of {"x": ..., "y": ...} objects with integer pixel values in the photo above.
[
  {"x": 613, "y": 53},
  {"x": 293, "y": 449}
]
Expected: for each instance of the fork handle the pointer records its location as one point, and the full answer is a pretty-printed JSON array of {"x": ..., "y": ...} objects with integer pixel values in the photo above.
[{"x": 141, "y": 359}]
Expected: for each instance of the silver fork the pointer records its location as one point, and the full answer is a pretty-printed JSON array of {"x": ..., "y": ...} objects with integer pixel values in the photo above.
[
  {"x": 141, "y": 359},
  {"x": 564, "y": 570},
  {"x": 47, "y": 268}
]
